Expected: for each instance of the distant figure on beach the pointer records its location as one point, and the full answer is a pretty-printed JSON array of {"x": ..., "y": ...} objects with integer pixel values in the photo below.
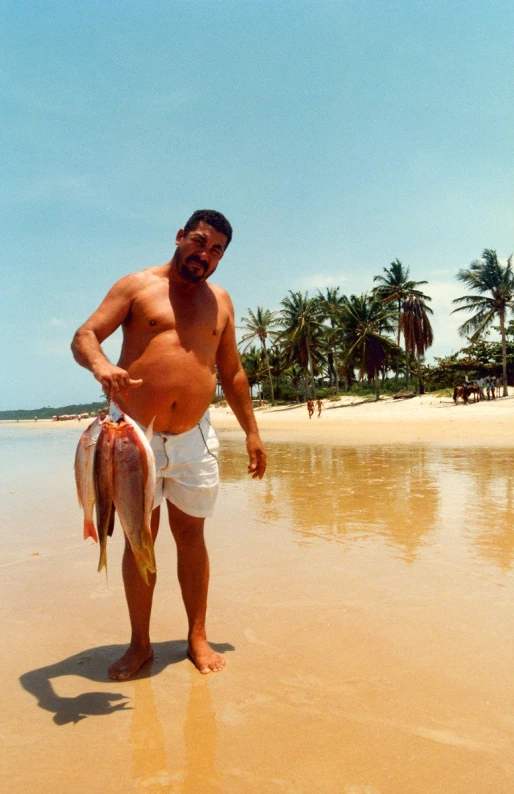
[
  {"x": 481, "y": 383},
  {"x": 499, "y": 383},
  {"x": 489, "y": 385},
  {"x": 310, "y": 407},
  {"x": 178, "y": 331},
  {"x": 319, "y": 403},
  {"x": 35, "y": 419}
]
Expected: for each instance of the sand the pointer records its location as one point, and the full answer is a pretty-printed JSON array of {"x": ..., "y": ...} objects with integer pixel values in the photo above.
[
  {"x": 431, "y": 419},
  {"x": 362, "y": 594}
]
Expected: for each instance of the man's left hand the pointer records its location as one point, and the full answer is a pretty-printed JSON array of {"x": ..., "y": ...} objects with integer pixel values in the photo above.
[{"x": 257, "y": 465}]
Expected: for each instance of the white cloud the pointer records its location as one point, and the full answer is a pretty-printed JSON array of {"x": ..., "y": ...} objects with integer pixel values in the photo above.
[{"x": 56, "y": 322}]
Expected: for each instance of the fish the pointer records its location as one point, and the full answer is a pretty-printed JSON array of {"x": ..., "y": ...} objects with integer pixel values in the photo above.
[
  {"x": 124, "y": 482},
  {"x": 84, "y": 475},
  {"x": 134, "y": 489},
  {"x": 102, "y": 479}
]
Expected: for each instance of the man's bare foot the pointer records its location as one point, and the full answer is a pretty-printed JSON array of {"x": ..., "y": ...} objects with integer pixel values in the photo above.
[
  {"x": 204, "y": 657},
  {"x": 131, "y": 661}
]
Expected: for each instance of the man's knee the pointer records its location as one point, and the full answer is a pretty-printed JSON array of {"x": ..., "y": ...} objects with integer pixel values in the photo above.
[{"x": 184, "y": 526}]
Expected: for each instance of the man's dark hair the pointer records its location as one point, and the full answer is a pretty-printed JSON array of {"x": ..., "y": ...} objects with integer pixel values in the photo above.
[{"x": 214, "y": 219}]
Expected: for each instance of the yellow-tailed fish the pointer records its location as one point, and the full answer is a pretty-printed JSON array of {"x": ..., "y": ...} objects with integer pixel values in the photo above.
[
  {"x": 84, "y": 475},
  {"x": 134, "y": 489}
]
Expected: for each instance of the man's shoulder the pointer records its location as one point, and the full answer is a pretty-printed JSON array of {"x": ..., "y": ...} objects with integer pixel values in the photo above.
[
  {"x": 220, "y": 292},
  {"x": 142, "y": 278}
]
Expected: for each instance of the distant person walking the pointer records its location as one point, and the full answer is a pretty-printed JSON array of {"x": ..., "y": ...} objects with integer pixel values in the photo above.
[
  {"x": 310, "y": 407},
  {"x": 319, "y": 403}
]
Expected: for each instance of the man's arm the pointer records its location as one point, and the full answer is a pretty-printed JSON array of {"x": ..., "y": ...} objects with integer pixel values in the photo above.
[
  {"x": 86, "y": 344},
  {"x": 237, "y": 391}
]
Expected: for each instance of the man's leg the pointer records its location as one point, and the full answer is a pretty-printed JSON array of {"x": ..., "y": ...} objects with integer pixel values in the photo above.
[
  {"x": 139, "y": 601},
  {"x": 193, "y": 576}
]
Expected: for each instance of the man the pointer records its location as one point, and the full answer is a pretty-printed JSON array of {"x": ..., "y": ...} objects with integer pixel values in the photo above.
[
  {"x": 481, "y": 384},
  {"x": 177, "y": 330}
]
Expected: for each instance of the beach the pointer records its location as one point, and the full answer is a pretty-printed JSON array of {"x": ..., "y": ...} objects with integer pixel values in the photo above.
[
  {"x": 362, "y": 594},
  {"x": 353, "y": 420}
]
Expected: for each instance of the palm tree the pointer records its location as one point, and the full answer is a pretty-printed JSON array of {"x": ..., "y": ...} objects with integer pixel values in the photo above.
[
  {"x": 252, "y": 365},
  {"x": 294, "y": 373},
  {"x": 331, "y": 305},
  {"x": 487, "y": 275},
  {"x": 302, "y": 323},
  {"x": 417, "y": 331},
  {"x": 366, "y": 323},
  {"x": 395, "y": 286},
  {"x": 258, "y": 325}
]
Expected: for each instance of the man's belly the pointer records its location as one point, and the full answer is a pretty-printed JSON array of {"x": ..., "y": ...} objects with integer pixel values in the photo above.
[{"x": 176, "y": 398}]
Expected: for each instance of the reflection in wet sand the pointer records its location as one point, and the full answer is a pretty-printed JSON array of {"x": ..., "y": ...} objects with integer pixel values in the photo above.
[
  {"x": 365, "y": 594},
  {"x": 488, "y": 478},
  {"x": 401, "y": 494},
  {"x": 200, "y": 735},
  {"x": 150, "y": 769}
]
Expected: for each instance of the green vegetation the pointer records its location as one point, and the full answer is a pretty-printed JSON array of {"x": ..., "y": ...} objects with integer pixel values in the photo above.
[
  {"x": 47, "y": 412},
  {"x": 330, "y": 344}
]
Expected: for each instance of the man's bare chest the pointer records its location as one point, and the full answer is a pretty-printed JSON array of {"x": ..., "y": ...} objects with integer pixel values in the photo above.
[{"x": 194, "y": 321}]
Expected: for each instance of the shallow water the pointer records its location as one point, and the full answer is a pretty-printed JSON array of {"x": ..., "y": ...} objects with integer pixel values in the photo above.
[{"x": 363, "y": 598}]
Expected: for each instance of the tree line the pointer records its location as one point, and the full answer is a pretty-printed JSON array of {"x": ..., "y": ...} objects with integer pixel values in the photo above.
[{"x": 330, "y": 341}]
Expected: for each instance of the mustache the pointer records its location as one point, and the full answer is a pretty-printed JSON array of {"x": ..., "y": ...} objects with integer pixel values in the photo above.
[{"x": 197, "y": 260}]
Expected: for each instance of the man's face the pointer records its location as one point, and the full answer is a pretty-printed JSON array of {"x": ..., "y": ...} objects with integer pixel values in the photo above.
[{"x": 199, "y": 252}]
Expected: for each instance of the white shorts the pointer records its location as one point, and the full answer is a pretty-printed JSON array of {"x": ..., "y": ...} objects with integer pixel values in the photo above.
[{"x": 186, "y": 467}]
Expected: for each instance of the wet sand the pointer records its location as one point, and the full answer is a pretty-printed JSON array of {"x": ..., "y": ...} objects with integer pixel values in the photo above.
[{"x": 362, "y": 593}]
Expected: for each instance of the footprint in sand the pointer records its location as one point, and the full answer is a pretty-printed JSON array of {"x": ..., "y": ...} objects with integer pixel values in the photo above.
[{"x": 251, "y": 637}]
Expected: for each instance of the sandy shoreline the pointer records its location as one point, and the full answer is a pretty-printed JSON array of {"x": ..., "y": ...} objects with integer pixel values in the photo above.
[
  {"x": 427, "y": 419},
  {"x": 363, "y": 598},
  {"x": 352, "y": 420}
]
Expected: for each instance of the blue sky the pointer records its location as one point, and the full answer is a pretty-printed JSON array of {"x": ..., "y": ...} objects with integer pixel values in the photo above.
[{"x": 335, "y": 136}]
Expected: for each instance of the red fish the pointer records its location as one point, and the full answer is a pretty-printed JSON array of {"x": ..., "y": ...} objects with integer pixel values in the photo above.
[
  {"x": 124, "y": 480},
  {"x": 133, "y": 491},
  {"x": 84, "y": 475}
]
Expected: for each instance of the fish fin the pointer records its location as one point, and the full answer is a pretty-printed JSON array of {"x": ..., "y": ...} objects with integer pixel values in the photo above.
[
  {"x": 149, "y": 430},
  {"x": 89, "y": 530}
]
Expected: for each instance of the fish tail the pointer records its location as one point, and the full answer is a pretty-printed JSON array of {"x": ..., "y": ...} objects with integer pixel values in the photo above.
[
  {"x": 103, "y": 556},
  {"x": 147, "y": 543},
  {"x": 142, "y": 567},
  {"x": 89, "y": 530}
]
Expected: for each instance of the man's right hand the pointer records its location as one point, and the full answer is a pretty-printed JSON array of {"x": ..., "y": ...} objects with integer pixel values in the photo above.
[{"x": 114, "y": 379}]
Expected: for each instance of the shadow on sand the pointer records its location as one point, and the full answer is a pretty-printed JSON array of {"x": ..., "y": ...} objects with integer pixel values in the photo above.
[{"x": 92, "y": 664}]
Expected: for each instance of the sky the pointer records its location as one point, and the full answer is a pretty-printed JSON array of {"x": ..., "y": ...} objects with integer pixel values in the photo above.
[{"x": 335, "y": 136}]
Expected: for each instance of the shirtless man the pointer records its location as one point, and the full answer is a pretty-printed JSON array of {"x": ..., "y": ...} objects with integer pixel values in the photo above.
[{"x": 177, "y": 328}]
